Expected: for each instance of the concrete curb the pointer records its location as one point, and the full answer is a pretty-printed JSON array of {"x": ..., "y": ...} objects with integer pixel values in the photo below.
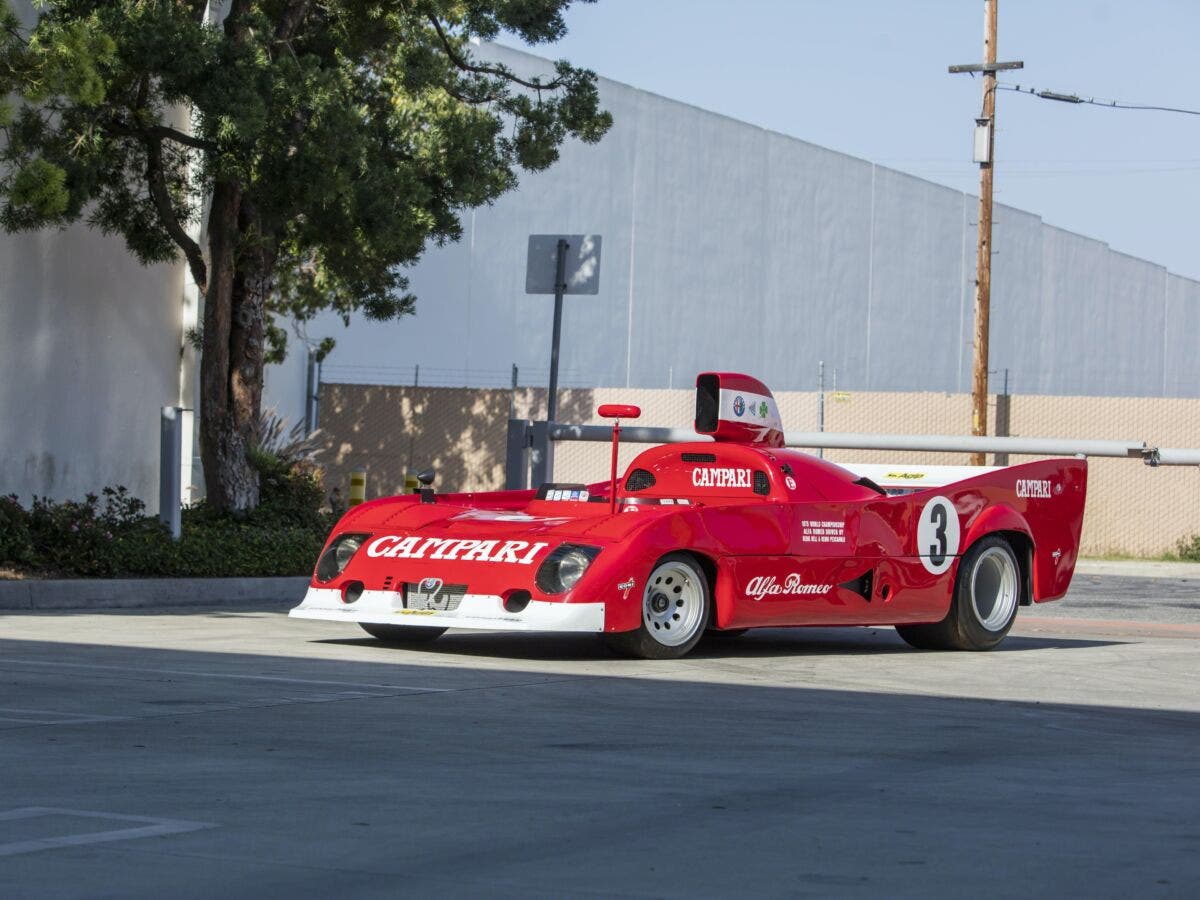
[
  {"x": 136, "y": 593},
  {"x": 1138, "y": 568}
]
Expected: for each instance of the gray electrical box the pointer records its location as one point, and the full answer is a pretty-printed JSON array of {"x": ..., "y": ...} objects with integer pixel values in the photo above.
[{"x": 983, "y": 142}]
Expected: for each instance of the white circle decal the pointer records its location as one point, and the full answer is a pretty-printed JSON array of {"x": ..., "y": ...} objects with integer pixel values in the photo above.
[{"x": 937, "y": 535}]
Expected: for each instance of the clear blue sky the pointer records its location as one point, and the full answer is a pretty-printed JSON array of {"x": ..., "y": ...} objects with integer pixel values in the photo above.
[{"x": 869, "y": 79}]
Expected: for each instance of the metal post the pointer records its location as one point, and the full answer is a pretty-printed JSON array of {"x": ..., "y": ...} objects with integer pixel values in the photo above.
[
  {"x": 516, "y": 455},
  {"x": 1003, "y": 419},
  {"x": 560, "y": 285},
  {"x": 170, "y": 448},
  {"x": 820, "y": 403},
  {"x": 417, "y": 375},
  {"x": 541, "y": 454},
  {"x": 317, "y": 398},
  {"x": 310, "y": 394},
  {"x": 512, "y": 398}
]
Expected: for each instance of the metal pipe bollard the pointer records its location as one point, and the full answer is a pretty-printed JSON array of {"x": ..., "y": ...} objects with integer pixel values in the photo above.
[{"x": 170, "y": 488}]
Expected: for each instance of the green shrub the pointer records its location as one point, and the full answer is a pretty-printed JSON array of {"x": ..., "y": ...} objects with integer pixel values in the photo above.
[
  {"x": 231, "y": 549},
  {"x": 1188, "y": 548},
  {"x": 16, "y": 545},
  {"x": 290, "y": 494},
  {"x": 85, "y": 539},
  {"x": 80, "y": 538}
]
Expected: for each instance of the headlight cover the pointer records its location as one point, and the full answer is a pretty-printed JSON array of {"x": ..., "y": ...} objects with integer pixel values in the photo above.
[
  {"x": 564, "y": 567},
  {"x": 338, "y": 555}
]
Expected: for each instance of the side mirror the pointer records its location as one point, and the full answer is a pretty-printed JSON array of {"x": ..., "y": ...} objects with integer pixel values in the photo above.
[
  {"x": 426, "y": 478},
  {"x": 619, "y": 411}
]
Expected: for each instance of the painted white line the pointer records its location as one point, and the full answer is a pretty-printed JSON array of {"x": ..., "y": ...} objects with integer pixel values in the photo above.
[
  {"x": 195, "y": 674},
  {"x": 152, "y": 827},
  {"x": 54, "y": 716}
]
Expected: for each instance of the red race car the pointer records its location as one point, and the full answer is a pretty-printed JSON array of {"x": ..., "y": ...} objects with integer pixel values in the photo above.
[{"x": 733, "y": 531}]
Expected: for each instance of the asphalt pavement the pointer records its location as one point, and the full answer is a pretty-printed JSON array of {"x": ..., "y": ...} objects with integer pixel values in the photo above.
[{"x": 233, "y": 752}]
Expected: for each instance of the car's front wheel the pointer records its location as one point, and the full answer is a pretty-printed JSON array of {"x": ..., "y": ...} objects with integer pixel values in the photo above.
[
  {"x": 675, "y": 611},
  {"x": 402, "y": 634},
  {"x": 987, "y": 592}
]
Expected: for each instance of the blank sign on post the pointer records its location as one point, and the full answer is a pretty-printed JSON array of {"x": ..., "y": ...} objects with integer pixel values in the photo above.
[{"x": 582, "y": 271}]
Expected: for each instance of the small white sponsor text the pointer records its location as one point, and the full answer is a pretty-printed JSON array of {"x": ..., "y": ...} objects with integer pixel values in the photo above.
[
  {"x": 1032, "y": 487},
  {"x": 822, "y": 531}
]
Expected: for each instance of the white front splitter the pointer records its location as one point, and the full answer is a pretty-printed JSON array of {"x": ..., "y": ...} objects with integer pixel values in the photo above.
[{"x": 479, "y": 611}]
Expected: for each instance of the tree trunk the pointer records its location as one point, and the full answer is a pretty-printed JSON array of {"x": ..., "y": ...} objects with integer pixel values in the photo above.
[{"x": 231, "y": 367}]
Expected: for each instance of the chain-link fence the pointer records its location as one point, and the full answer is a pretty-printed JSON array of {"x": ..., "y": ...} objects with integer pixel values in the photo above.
[{"x": 390, "y": 430}]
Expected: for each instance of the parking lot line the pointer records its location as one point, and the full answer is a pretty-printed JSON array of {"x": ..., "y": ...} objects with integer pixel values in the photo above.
[
  {"x": 152, "y": 827},
  {"x": 192, "y": 673},
  {"x": 51, "y": 716}
]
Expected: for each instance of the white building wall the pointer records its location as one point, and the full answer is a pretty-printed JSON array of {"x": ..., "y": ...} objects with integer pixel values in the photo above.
[
  {"x": 89, "y": 353},
  {"x": 730, "y": 247}
]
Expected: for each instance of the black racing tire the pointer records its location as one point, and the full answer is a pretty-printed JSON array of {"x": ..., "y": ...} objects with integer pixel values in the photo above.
[
  {"x": 675, "y": 611},
  {"x": 402, "y": 634},
  {"x": 987, "y": 591}
]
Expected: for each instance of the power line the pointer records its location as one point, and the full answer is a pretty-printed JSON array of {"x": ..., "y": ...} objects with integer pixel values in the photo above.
[{"x": 1092, "y": 101}]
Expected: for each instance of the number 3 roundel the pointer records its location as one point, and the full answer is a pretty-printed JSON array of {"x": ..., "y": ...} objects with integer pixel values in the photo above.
[{"x": 937, "y": 535}]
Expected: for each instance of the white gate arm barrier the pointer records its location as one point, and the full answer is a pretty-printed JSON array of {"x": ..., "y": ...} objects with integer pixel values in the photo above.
[
  {"x": 832, "y": 440},
  {"x": 1172, "y": 456},
  {"x": 530, "y": 444}
]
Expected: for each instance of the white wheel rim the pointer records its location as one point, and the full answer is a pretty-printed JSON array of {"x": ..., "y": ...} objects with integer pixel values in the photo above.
[
  {"x": 994, "y": 588},
  {"x": 673, "y": 604}
]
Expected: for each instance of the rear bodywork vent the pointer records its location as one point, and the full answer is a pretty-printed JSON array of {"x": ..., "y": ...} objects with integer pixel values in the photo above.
[
  {"x": 700, "y": 457},
  {"x": 762, "y": 484},
  {"x": 862, "y": 585},
  {"x": 639, "y": 480}
]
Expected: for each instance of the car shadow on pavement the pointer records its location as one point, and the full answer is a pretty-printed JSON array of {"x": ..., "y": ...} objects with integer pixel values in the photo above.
[{"x": 766, "y": 642}]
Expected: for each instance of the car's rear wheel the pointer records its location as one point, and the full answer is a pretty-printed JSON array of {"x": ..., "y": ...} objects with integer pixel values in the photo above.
[
  {"x": 402, "y": 634},
  {"x": 987, "y": 592},
  {"x": 675, "y": 611}
]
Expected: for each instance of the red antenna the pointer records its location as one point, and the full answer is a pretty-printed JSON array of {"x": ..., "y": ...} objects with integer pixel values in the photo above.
[{"x": 617, "y": 411}]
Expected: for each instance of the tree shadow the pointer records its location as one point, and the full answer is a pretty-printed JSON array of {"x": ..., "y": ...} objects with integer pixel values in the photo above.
[{"x": 461, "y": 433}]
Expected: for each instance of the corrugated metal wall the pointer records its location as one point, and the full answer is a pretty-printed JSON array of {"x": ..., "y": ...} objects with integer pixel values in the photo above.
[{"x": 730, "y": 247}]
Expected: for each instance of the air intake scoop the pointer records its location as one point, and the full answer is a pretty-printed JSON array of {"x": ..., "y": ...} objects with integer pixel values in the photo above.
[{"x": 737, "y": 409}]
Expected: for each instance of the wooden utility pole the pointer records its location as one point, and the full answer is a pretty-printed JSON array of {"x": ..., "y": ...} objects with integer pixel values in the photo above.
[{"x": 985, "y": 135}]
